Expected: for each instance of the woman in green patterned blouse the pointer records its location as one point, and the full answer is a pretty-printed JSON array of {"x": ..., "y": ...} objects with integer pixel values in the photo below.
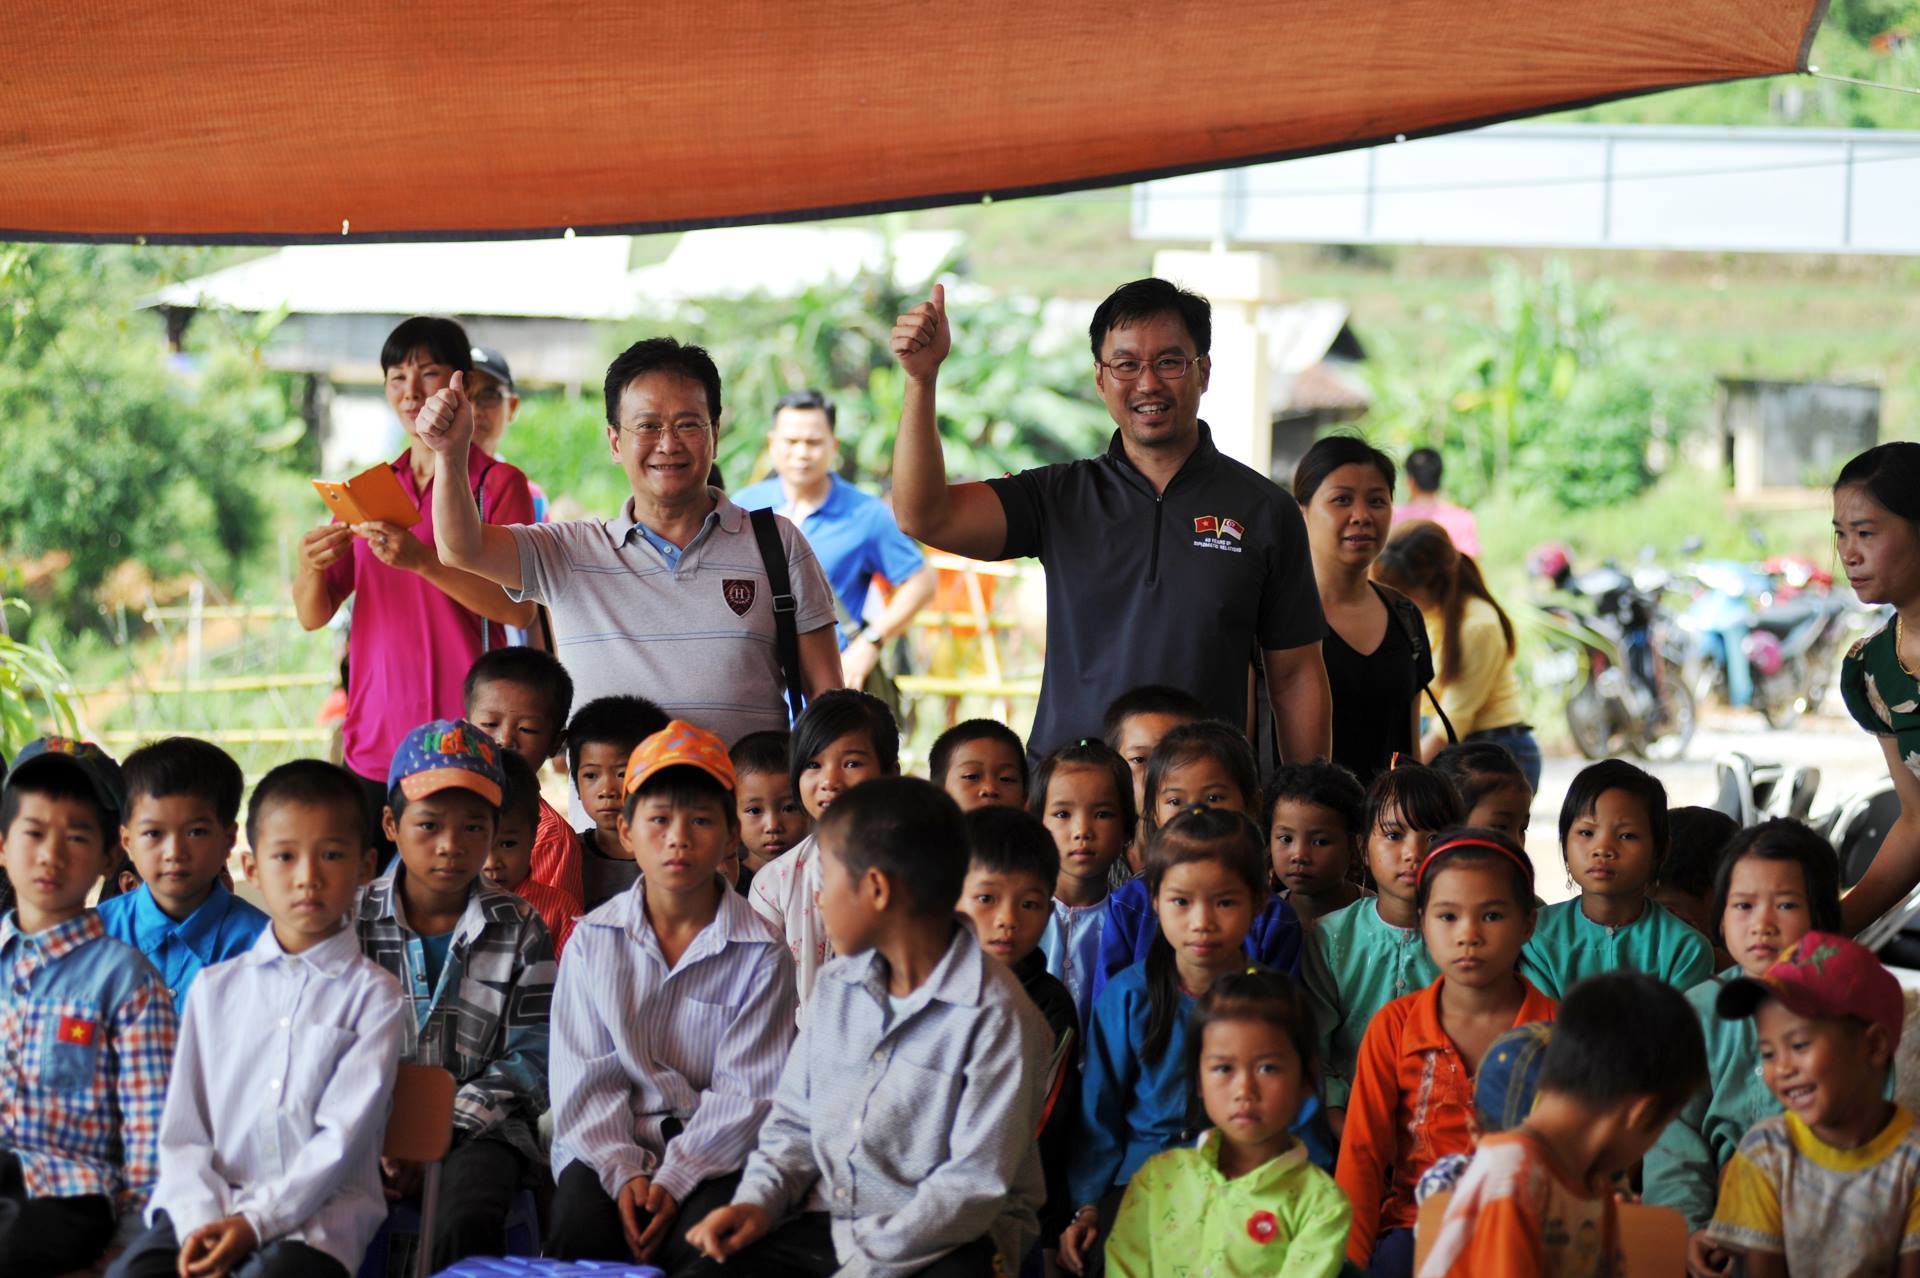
[{"x": 1876, "y": 529}]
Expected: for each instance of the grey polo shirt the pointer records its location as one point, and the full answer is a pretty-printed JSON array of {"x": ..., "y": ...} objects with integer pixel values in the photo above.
[
  {"x": 1178, "y": 588},
  {"x": 696, "y": 636}
]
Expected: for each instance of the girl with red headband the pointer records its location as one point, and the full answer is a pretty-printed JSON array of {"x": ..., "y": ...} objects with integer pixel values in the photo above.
[{"x": 1412, "y": 1101}]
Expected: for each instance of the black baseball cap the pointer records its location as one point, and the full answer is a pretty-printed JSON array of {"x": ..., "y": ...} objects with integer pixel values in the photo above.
[
  {"x": 99, "y": 769},
  {"x": 491, "y": 362}
]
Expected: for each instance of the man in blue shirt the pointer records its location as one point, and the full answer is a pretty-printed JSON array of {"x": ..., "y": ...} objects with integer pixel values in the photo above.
[{"x": 854, "y": 535}]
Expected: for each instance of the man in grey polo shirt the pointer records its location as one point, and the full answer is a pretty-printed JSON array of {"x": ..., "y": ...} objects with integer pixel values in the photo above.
[
  {"x": 1167, "y": 562},
  {"x": 669, "y": 599}
]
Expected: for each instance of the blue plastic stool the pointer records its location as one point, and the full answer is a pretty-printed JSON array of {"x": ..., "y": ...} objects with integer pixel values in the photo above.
[
  {"x": 518, "y": 1267},
  {"x": 523, "y": 1238}
]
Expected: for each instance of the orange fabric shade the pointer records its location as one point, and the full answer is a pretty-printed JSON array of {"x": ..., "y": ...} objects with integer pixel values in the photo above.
[{"x": 225, "y": 122}]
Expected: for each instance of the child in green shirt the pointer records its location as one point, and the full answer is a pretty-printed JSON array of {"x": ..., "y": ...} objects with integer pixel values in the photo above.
[
  {"x": 1245, "y": 1200},
  {"x": 1775, "y": 883},
  {"x": 1614, "y": 835}
]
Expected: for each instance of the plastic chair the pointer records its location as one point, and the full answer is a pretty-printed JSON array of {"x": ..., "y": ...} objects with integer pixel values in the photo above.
[
  {"x": 420, "y": 1130},
  {"x": 1652, "y": 1239}
]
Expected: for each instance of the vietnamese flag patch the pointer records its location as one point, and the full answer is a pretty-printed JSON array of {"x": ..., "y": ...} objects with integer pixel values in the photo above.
[
  {"x": 1205, "y": 525},
  {"x": 75, "y": 1030}
]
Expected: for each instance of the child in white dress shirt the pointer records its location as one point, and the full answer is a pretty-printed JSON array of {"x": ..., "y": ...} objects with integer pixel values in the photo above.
[
  {"x": 270, "y": 1142},
  {"x": 671, "y": 1022}
]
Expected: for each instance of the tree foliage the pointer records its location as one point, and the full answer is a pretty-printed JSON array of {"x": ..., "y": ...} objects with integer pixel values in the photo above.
[
  {"x": 113, "y": 451},
  {"x": 1551, "y": 392}
]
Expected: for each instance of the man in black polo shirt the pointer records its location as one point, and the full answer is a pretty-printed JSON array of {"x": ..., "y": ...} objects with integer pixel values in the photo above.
[{"x": 1166, "y": 561}]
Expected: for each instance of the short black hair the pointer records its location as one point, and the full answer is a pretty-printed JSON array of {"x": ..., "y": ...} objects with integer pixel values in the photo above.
[
  {"x": 312, "y": 782},
  {"x": 681, "y": 785},
  {"x": 65, "y": 782},
  {"x": 769, "y": 750},
  {"x": 1144, "y": 299},
  {"x": 1425, "y": 468},
  {"x": 1011, "y": 841},
  {"x": 1467, "y": 846},
  {"x": 185, "y": 766},
  {"x": 1699, "y": 835},
  {"x": 940, "y": 758},
  {"x": 1624, "y": 1034},
  {"x": 1330, "y": 454},
  {"x": 1324, "y": 785},
  {"x": 1087, "y": 752},
  {"x": 1478, "y": 768},
  {"x": 1784, "y": 840},
  {"x": 622, "y": 721},
  {"x": 522, "y": 796},
  {"x": 1150, "y": 698},
  {"x": 809, "y": 399},
  {"x": 663, "y": 355},
  {"x": 528, "y": 667},
  {"x": 444, "y": 341},
  {"x": 1425, "y": 800},
  {"x": 1207, "y": 739},
  {"x": 1596, "y": 779},
  {"x": 833, "y": 715},
  {"x": 908, "y": 829}
]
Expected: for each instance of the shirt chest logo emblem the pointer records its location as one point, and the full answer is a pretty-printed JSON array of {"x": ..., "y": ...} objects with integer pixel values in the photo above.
[
  {"x": 75, "y": 1030},
  {"x": 1218, "y": 532},
  {"x": 738, "y": 593}
]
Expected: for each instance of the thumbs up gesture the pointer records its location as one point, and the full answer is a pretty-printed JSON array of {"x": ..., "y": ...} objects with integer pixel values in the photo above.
[
  {"x": 921, "y": 338},
  {"x": 445, "y": 422}
]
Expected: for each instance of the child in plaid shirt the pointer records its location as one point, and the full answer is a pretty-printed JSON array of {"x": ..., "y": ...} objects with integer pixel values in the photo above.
[
  {"x": 86, "y": 1027},
  {"x": 476, "y": 964}
]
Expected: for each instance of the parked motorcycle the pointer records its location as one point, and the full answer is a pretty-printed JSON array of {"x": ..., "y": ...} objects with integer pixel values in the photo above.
[
  {"x": 1769, "y": 636},
  {"x": 1618, "y": 656}
]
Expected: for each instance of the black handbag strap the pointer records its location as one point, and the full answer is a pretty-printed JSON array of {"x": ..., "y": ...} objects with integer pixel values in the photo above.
[{"x": 786, "y": 633}]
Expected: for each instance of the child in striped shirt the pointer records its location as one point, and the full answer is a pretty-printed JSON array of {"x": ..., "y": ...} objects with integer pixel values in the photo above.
[{"x": 670, "y": 1023}]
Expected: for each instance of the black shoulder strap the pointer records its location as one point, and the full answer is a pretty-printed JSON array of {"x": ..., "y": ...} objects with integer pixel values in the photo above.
[
  {"x": 1407, "y": 616},
  {"x": 786, "y": 634}
]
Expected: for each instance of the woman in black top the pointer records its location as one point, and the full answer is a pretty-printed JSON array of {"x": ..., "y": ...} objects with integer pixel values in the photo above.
[{"x": 1376, "y": 645}]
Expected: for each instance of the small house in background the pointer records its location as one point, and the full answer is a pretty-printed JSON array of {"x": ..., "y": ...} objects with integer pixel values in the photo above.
[
  {"x": 1316, "y": 380},
  {"x": 1780, "y": 437}
]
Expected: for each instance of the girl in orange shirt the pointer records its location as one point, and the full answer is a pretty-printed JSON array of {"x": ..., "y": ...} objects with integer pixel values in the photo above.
[{"x": 1412, "y": 1100}]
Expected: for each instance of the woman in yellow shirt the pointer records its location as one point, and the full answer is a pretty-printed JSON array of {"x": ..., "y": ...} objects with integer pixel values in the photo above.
[{"x": 1472, "y": 639}]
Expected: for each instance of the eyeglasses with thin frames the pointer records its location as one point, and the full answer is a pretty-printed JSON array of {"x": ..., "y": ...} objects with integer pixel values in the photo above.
[
  {"x": 1169, "y": 368},
  {"x": 650, "y": 432}
]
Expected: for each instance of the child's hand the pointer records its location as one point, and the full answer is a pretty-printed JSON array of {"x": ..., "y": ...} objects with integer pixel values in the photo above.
[
  {"x": 395, "y": 547},
  {"x": 664, "y": 1207},
  {"x": 401, "y": 1178},
  {"x": 321, "y": 547},
  {"x": 212, "y": 1251},
  {"x": 1704, "y": 1260},
  {"x": 1077, "y": 1241},
  {"x": 729, "y": 1230}
]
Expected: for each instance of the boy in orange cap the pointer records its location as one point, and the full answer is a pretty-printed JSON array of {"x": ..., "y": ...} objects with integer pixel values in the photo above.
[
  {"x": 671, "y": 1021},
  {"x": 1832, "y": 1186}
]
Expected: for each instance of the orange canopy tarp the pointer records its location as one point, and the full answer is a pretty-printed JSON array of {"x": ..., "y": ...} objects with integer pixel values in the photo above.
[{"x": 236, "y": 122}]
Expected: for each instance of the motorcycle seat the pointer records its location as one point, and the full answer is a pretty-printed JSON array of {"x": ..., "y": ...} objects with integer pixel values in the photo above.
[{"x": 1783, "y": 619}]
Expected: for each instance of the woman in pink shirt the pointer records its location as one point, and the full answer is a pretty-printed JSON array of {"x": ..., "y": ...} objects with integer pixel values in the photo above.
[{"x": 417, "y": 624}]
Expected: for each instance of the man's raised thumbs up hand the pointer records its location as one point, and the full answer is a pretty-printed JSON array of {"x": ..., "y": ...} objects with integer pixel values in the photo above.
[
  {"x": 921, "y": 338},
  {"x": 445, "y": 421}
]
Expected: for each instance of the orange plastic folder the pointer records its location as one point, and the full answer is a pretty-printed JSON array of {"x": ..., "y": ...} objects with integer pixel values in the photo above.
[{"x": 372, "y": 496}]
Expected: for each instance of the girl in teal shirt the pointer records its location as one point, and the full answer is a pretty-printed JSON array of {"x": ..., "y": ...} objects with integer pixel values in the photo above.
[
  {"x": 1775, "y": 883},
  {"x": 1613, "y": 833}
]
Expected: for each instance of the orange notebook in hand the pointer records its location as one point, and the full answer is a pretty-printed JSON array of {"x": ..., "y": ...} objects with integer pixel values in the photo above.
[{"x": 372, "y": 496}]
